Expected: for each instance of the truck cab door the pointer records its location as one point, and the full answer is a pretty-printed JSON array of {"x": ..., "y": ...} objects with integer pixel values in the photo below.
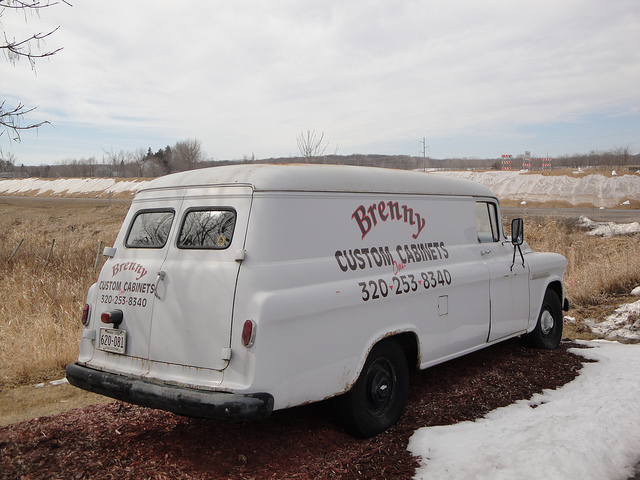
[{"x": 509, "y": 281}]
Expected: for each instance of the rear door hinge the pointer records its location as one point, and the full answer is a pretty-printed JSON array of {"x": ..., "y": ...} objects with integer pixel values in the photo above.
[{"x": 226, "y": 354}]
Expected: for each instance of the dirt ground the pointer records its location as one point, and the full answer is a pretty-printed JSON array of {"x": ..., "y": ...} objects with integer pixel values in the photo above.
[
  {"x": 27, "y": 402},
  {"x": 118, "y": 440}
]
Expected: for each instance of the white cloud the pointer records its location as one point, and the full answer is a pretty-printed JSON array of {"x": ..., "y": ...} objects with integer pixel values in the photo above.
[{"x": 248, "y": 76}]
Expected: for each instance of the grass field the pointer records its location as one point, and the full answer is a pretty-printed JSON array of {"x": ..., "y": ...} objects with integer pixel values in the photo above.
[{"x": 42, "y": 289}]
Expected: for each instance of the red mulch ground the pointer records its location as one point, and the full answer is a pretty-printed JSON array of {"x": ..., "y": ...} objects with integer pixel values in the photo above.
[{"x": 122, "y": 441}]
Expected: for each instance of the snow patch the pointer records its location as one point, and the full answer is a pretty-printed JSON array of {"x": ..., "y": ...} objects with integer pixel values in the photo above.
[
  {"x": 55, "y": 383},
  {"x": 587, "y": 429},
  {"x": 623, "y": 324},
  {"x": 608, "y": 229}
]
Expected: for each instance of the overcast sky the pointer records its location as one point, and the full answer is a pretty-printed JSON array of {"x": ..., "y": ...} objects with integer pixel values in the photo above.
[{"x": 477, "y": 79}]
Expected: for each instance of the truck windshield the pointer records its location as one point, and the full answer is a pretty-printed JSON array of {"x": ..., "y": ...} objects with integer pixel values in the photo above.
[{"x": 487, "y": 222}]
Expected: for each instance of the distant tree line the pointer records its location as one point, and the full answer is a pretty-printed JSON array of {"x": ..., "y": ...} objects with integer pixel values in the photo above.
[
  {"x": 184, "y": 155},
  {"x": 188, "y": 155}
]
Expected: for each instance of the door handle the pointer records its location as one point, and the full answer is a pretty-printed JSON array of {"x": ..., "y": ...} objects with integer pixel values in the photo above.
[
  {"x": 485, "y": 252},
  {"x": 161, "y": 274}
]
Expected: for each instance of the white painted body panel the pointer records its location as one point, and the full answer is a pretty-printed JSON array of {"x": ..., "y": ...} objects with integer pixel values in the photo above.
[{"x": 325, "y": 270}]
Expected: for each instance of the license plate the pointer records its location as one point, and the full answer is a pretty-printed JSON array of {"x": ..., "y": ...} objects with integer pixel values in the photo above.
[{"x": 112, "y": 340}]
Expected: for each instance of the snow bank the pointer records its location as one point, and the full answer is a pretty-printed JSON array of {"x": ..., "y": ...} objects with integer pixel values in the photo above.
[
  {"x": 589, "y": 429},
  {"x": 70, "y": 186},
  {"x": 596, "y": 189},
  {"x": 623, "y": 324},
  {"x": 608, "y": 229}
]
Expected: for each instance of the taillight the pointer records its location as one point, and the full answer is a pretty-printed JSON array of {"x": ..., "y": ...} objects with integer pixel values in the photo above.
[
  {"x": 114, "y": 316},
  {"x": 248, "y": 333},
  {"x": 85, "y": 313}
]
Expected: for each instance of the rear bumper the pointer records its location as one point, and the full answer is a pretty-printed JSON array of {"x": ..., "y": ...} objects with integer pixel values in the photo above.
[{"x": 181, "y": 400}]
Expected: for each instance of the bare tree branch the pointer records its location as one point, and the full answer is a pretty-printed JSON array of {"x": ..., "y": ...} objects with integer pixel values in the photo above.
[
  {"x": 35, "y": 4},
  {"x": 310, "y": 146},
  {"x": 15, "y": 50},
  {"x": 10, "y": 121},
  {"x": 11, "y": 117}
]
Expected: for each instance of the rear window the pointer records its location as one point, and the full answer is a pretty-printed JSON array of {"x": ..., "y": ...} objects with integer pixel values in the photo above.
[
  {"x": 150, "y": 229},
  {"x": 207, "y": 229}
]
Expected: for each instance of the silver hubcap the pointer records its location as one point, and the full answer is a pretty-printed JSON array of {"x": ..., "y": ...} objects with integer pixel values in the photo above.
[{"x": 546, "y": 322}]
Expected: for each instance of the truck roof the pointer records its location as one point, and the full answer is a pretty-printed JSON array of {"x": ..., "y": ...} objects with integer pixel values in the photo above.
[{"x": 321, "y": 178}]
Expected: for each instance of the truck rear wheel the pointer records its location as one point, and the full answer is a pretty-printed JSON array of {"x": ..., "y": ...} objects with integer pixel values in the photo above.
[
  {"x": 548, "y": 331},
  {"x": 377, "y": 399}
]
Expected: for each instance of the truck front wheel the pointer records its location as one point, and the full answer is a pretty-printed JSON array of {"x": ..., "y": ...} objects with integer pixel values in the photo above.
[
  {"x": 548, "y": 331},
  {"x": 377, "y": 399}
]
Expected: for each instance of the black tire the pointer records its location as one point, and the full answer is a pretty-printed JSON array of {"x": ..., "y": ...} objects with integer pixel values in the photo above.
[
  {"x": 377, "y": 399},
  {"x": 548, "y": 331}
]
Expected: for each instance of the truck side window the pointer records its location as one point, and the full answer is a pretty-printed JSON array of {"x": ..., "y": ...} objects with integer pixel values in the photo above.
[
  {"x": 207, "y": 229},
  {"x": 487, "y": 222},
  {"x": 150, "y": 229}
]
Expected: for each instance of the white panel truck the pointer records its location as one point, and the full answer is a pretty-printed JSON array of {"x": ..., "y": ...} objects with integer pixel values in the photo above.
[{"x": 235, "y": 291}]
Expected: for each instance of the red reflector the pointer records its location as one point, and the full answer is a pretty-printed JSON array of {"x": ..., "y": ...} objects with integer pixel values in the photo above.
[
  {"x": 85, "y": 314},
  {"x": 114, "y": 316},
  {"x": 248, "y": 333}
]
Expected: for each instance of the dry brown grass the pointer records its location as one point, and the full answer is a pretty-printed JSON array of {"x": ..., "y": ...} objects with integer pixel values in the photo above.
[
  {"x": 506, "y": 202},
  {"x": 40, "y": 303},
  {"x": 599, "y": 270},
  {"x": 600, "y": 274}
]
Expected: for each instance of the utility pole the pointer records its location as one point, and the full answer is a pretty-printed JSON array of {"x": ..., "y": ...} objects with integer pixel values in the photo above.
[{"x": 424, "y": 153}]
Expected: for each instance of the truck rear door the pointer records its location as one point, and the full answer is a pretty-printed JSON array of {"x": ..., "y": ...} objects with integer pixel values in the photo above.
[
  {"x": 193, "y": 304},
  {"x": 128, "y": 279}
]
